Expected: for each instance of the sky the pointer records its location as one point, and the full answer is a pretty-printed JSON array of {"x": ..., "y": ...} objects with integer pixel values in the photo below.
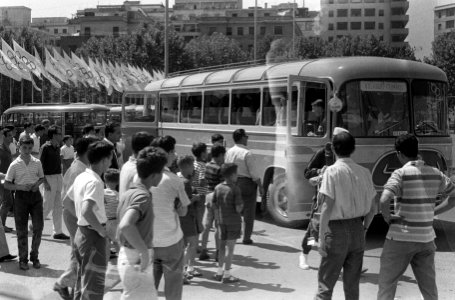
[{"x": 66, "y": 8}]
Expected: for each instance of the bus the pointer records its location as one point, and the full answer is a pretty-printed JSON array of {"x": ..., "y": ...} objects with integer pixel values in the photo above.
[
  {"x": 115, "y": 113},
  {"x": 72, "y": 117},
  {"x": 375, "y": 98}
]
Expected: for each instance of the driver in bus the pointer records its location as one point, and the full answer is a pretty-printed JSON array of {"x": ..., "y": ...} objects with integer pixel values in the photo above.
[
  {"x": 318, "y": 124},
  {"x": 381, "y": 115}
]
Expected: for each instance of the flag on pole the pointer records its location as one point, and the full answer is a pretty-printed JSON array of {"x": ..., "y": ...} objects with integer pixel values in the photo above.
[
  {"x": 28, "y": 59},
  {"x": 68, "y": 69},
  {"x": 76, "y": 70},
  {"x": 21, "y": 68},
  {"x": 85, "y": 71},
  {"x": 7, "y": 67},
  {"x": 44, "y": 72},
  {"x": 53, "y": 68}
]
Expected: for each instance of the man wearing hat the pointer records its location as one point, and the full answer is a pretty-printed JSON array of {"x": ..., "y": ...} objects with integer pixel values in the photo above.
[{"x": 318, "y": 126}]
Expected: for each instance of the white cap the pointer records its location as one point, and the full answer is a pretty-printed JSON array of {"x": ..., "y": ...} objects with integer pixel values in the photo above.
[{"x": 338, "y": 130}]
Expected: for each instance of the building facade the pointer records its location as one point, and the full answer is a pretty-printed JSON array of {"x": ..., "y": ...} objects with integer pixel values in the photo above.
[
  {"x": 384, "y": 19},
  {"x": 57, "y": 26},
  {"x": 444, "y": 19},
  {"x": 15, "y": 16}
]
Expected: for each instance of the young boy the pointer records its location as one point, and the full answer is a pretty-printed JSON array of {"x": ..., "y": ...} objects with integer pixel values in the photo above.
[
  {"x": 67, "y": 153},
  {"x": 228, "y": 204},
  {"x": 189, "y": 223},
  {"x": 213, "y": 177},
  {"x": 24, "y": 175},
  {"x": 135, "y": 230},
  {"x": 111, "y": 201}
]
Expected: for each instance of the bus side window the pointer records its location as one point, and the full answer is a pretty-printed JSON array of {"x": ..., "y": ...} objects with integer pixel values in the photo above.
[
  {"x": 169, "y": 107},
  {"x": 190, "y": 108},
  {"x": 216, "y": 107},
  {"x": 245, "y": 106},
  {"x": 315, "y": 122}
]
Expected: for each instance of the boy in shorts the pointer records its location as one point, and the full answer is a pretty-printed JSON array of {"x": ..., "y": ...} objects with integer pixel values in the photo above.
[
  {"x": 189, "y": 223},
  {"x": 228, "y": 204},
  {"x": 111, "y": 200}
]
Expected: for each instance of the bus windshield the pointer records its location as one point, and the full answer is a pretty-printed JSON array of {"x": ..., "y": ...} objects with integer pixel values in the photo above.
[{"x": 374, "y": 108}]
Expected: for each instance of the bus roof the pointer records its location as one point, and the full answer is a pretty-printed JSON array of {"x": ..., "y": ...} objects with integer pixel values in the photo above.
[
  {"x": 339, "y": 69},
  {"x": 69, "y": 107}
]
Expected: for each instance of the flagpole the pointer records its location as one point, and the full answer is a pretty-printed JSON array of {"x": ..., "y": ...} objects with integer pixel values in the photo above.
[
  {"x": 22, "y": 92},
  {"x": 69, "y": 93},
  {"x": 293, "y": 31},
  {"x": 10, "y": 93},
  {"x": 78, "y": 93},
  {"x": 42, "y": 90},
  {"x": 255, "y": 30},
  {"x": 33, "y": 98},
  {"x": 166, "y": 46}
]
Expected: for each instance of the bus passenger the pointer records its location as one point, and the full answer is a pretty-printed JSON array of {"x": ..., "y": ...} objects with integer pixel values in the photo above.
[
  {"x": 318, "y": 124},
  {"x": 279, "y": 103}
]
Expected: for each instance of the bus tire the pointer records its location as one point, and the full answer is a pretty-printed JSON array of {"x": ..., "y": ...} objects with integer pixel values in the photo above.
[{"x": 277, "y": 203}]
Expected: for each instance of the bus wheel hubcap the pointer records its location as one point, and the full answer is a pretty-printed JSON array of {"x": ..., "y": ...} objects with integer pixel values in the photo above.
[{"x": 281, "y": 202}]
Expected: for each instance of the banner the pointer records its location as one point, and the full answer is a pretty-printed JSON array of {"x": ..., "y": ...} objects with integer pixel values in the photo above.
[
  {"x": 28, "y": 59},
  {"x": 22, "y": 70},
  {"x": 45, "y": 73},
  {"x": 53, "y": 68},
  {"x": 85, "y": 71},
  {"x": 67, "y": 68},
  {"x": 7, "y": 67}
]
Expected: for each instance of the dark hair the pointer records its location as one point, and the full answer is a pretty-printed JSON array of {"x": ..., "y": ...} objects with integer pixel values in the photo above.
[
  {"x": 10, "y": 127},
  {"x": 198, "y": 149},
  {"x": 82, "y": 144},
  {"x": 53, "y": 130},
  {"x": 217, "y": 138},
  {"x": 343, "y": 144},
  {"x": 185, "y": 161},
  {"x": 27, "y": 125},
  {"x": 39, "y": 127},
  {"x": 110, "y": 128},
  {"x": 167, "y": 143},
  {"x": 238, "y": 135},
  {"x": 112, "y": 175},
  {"x": 87, "y": 128},
  {"x": 217, "y": 150},
  {"x": 67, "y": 137},
  {"x": 150, "y": 161},
  {"x": 408, "y": 145},
  {"x": 228, "y": 169},
  {"x": 141, "y": 140},
  {"x": 25, "y": 140},
  {"x": 45, "y": 121},
  {"x": 5, "y": 131},
  {"x": 98, "y": 151}
]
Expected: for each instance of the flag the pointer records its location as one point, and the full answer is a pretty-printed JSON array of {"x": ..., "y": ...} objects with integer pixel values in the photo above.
[
  {"x": 68, "y": 69},
  {"x": 44, "y": 72},
  {"x": 113, "y": 80},
  {"x": 100, "y": 77},
  {"x": 21, "y": 68},
  {"x": 28, "y": 59},
  {"x": 80, "y": 77},
  {"x": 7, "y": 67},
  {"x": 52, "y": 66},
  {"x": 85, "y": 71}
]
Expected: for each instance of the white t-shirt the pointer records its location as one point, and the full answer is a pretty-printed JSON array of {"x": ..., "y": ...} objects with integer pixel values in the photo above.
[
  {"x": 127, "y": 175},
  {"x": 36, "y": 143},
  {"x": 77, "y": 167},
  {"x": 88, "y": 186},
  {"x": 13, "y": 147},
  {"x": 67, "y": 152}
]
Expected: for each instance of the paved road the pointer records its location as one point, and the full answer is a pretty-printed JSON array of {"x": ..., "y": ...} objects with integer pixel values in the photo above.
[{"x": 268, "y": 268}]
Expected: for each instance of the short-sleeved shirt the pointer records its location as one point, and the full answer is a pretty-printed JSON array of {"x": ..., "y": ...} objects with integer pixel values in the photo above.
[
  {"x": 351, "y": 187},
  {"x": 243, "y": 158},
  {"x": 166, "y": 224},
  {"x": 139, "y": 199},
  {"x": 36, "y": 143},
  {"x": 127, "y": 173},
  {"x": 225, "y": 198},
  {"x": 13, "y": 147},
  {"x": 416, "y": 187},
  {"x": 5, "y": 158},
  {"x": 88, "y": 186},
  {"x": 67, "y": 152},
  {"x": 213, "y": 175},
  {"x": 198, "y": 181},
  {"x": 50, "y": 158},
  {"x": 111, "y": 199},
  {"x": 76, "y": 168},
  {"x": 21, "y": 173}
]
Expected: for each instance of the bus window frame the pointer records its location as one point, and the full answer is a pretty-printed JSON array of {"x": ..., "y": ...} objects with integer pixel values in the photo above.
[
  {"x": 171, "y": 92},
  {"x": 145, "y": 95}
]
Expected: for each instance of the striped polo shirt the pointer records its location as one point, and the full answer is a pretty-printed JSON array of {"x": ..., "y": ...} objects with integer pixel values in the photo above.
[
  {"x": 21, "y": 173},
  {"x": 199, "y": 182},
  {"x": 416, "y": 187}
]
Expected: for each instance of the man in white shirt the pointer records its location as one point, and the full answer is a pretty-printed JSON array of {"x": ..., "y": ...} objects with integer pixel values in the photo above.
[
  {"x": 90, "y": 239},
  {"x": 36, "y": 136},
  {"x": 113, "y": 135},
  {"x": 169, "y": 201}
]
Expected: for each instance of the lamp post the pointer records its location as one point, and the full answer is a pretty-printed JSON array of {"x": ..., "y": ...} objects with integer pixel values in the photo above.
[
  {"x": 166, "y": 42},
  {"x": 255, "y": 23}
]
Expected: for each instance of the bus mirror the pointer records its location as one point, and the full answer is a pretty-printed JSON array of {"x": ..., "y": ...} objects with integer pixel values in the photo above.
[{"x": 335, "y": 104}]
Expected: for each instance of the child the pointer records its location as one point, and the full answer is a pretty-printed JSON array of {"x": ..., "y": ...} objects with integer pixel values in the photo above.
[
  {"x": 189, "y": 222},
  {"x": 111, "y": 200},
  {"x": 135, "y": 230},
  {"x": 200, "y": 153},
  {"x": 228, "y": 205},
  {"x": 67, "y": 153},
  {"x": 24, "y": 175}
]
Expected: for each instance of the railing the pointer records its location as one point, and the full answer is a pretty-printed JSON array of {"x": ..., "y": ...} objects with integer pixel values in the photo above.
[{"x": 219, "y": 67}]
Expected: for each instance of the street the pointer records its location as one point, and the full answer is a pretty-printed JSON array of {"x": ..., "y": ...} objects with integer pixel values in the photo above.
[{"x": 267, "y": 269}]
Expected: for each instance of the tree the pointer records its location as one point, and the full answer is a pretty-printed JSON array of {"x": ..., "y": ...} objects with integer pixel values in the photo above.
[
  {"x": 213, "y": 50},
  {"x": 444, "y": 57}
]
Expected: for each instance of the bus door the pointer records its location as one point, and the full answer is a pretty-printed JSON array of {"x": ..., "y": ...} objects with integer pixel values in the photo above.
[{"x": 308, "y": 130}]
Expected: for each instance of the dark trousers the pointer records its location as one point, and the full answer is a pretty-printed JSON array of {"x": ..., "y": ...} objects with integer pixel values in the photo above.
[
  {"x": 68, "y": 278},
  {"x": 248, "y": 189},
  {"x": 6, "y": 203},
  {"x": 169, "y": 261},
  {"x": 344, "y": 245},
  {"x": 92, "y": 259},
  {"x": 310, "y": 231},
  {"x": 28, "y": 204}
]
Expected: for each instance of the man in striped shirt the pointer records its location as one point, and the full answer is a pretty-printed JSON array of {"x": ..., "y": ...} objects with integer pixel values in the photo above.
[{"x": 410, "y": 238}]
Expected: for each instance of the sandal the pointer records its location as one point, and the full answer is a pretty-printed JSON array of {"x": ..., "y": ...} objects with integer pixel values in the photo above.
[
  {"x": 230, "y": 279},
  {"x": 194, "y": 273},
  {"x": 217, "y": 277}
]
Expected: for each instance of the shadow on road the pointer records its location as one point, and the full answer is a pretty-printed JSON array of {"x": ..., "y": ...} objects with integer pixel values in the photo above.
[
  {"x": 13, "y": 268},
  {"x": 279, "y": 248},
  {"x": 445, "y": 235},
  {"x": 374, "y": 278},
  {"x": 248, "y": 261},
  {"x": 241, "y": 286}
]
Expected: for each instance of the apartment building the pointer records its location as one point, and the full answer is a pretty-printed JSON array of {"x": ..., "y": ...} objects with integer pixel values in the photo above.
[
  {"x": 57, "y": 26},
  {"x": 15, "y": 16},
  {"x": 384, "y": 19},
  {"x": 444, "y": 19}
]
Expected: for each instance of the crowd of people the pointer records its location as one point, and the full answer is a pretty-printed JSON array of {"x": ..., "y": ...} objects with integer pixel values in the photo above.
[{"x": 155, "y": 210}]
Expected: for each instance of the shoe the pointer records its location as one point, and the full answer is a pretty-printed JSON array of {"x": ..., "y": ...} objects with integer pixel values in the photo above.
[
  {"x": 217, "y": 277},
  {"x": 63, "y": 291},
  {"x": 204, "y": 255},
  {"x": 7, "y": 229},
  {"x": 216, "y": 255},
  {"x": 247, "y": 242},
  {"x": 36, "y": 264},
  {"x": 7, "y": 257},
  {"x": 61, "y": 236},
  {"x": 23, "y": 265},
  {"x": 230, "y": 279},
  {"x": 303, "y": 258},
  {"x": 194, "y": 273},
  {"x": 186, "y": 279}
]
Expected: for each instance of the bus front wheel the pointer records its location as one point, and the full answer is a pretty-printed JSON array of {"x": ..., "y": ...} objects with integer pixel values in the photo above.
[{"x": 277, "y": 203}]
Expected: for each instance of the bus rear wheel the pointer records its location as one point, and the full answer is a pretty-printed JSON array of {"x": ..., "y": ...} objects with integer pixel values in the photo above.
[{"x": 277, "y": 203}]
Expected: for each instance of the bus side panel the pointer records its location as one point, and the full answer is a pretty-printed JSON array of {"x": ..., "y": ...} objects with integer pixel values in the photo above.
[{"x": 129, "y": 129}]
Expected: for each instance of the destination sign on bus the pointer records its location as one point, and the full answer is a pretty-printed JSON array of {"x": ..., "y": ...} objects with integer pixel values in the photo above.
[{"x": 383, "y": 86}]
